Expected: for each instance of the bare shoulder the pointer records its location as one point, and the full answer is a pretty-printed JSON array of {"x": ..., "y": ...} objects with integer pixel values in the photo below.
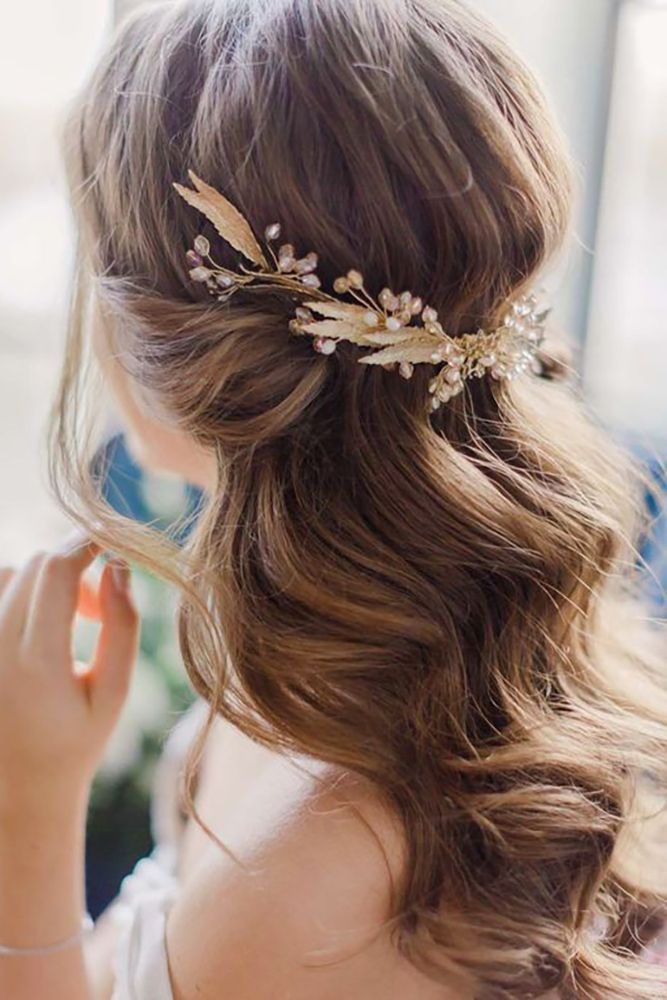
[{"x": 302, "y": 909}]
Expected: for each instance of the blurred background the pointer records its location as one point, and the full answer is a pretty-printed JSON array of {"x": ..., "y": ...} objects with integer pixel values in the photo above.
[{"x": 603, "y": 64}]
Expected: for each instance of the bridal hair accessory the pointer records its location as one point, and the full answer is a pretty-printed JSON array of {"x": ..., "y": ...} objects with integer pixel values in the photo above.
[
  {"x": 87, "y": 925},
  {"x": 400, "y": 330}
]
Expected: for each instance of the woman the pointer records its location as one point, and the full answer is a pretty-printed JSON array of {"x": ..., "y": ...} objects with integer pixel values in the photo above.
[{"x": 406, "y": 599}]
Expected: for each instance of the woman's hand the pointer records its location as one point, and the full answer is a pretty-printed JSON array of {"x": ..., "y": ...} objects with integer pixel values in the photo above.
[
  {"x": 55, "y": 717},
  {"x": 55, "y": 720}
]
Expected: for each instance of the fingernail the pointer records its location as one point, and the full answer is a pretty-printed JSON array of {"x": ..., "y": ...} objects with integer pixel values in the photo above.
[{"x": 120, "y": 574}]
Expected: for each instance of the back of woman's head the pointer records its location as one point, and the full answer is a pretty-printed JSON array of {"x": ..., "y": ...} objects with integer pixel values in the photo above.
[{"x": 420, "y": 599}]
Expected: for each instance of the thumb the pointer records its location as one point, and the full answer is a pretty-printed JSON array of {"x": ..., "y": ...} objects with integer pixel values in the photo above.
[{"x": 118, "y": 641}]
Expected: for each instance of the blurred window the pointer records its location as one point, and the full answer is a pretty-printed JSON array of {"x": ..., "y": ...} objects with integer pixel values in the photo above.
[
  {"x": 626, "y": 362},
  {"x": 46, "y": 48},
  {"x": 570, "y": 46}
]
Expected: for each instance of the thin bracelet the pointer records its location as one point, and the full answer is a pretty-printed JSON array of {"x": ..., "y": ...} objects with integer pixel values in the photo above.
[{"x": 87, "y": 924}]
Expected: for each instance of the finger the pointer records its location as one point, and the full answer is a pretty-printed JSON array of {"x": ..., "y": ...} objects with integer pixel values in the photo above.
[
  {"x": 6, "y": 574},
  {"x": 118, "y": 641},
  {"x": 54, "y": 601},
  {"x": 15, "y": 598}
]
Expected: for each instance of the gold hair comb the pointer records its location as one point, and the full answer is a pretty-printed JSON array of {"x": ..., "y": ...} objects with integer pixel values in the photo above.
[{"x": 399, "y": 329}]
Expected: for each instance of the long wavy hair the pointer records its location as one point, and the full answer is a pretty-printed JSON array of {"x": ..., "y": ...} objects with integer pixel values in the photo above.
[{"x": 443, "y": 605}]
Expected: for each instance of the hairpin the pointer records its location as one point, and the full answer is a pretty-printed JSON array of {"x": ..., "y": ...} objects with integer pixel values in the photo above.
[{"x": 399, "y": 330}]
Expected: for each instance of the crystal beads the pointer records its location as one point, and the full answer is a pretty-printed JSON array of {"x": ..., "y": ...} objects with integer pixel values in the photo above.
[
  {"x": 324, "y": 346},
  {"x": 311, "y": 280},
  {"x": 202, "y": 246},
  {"x": 388, "y": 300},
  {"x": 306, "y": 264},
  {"x": 200, "y": 273}
]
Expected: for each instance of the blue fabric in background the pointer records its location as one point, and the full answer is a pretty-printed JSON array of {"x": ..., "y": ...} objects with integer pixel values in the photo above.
[
  {"x": 654, "y": 546},
  {"x": 122, "y": 481}
]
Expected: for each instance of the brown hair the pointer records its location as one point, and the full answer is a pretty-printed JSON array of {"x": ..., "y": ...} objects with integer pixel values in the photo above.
[{"x": 440, "y": 605}]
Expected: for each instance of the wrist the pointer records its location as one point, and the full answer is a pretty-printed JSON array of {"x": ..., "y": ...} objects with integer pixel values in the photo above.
[
  {"x": 57, "y": 804},
  {"x": 42, "y": 857}
]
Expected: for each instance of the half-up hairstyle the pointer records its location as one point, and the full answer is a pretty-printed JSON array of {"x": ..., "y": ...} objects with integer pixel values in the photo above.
[{"x": 442, "y": 605}]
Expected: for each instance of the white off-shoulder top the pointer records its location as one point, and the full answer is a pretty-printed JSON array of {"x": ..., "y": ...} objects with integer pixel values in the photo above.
[{"x": 140, "y": 911}]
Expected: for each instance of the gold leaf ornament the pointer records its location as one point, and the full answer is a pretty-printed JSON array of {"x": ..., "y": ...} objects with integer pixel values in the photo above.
[
  {"x": 225, "y": 217},
  {"x": 417, "y": 351},
  {"x": 388, "y": 338},
  {"x": 341, "y": 310},
  {"x": 336, "y": 329}
]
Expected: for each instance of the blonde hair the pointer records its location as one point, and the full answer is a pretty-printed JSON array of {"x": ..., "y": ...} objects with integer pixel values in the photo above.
[{"x": 440, "y": 605}]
